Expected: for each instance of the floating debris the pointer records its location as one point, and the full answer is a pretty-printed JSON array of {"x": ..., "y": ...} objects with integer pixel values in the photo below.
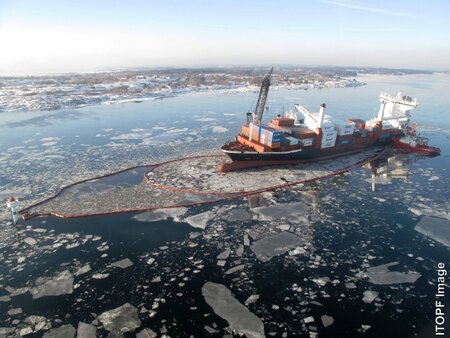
[{"x": 240, "y": 319}]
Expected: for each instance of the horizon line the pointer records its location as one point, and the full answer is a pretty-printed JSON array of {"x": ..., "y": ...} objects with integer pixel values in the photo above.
[{"x": 211, "y": 66}]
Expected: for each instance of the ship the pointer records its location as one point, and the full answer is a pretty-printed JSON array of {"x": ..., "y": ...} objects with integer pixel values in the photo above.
[
  {"x": 412, "y": 142},
  {"x": 300, "y": 136}
]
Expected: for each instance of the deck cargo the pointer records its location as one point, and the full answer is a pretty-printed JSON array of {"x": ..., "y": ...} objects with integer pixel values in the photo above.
[{"x": 359, "y": 123}]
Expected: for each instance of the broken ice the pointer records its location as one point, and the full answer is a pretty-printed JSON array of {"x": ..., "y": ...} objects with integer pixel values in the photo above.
[
  {"x": 240, "y": 319},
  {"x": 382, "y": 275},
  {"x": 59, "y": 285},
  {"x": 267, "y": 248},
  {"x": 120, "y": 320},
  {"x": 437, "y": 229}
]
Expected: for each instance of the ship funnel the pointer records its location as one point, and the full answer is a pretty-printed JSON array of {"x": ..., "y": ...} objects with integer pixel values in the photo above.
[{"x": 321, "y": 115}]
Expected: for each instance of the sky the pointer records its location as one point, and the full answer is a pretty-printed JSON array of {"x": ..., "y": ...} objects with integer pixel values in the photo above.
[{"x": 48, "y": 36}]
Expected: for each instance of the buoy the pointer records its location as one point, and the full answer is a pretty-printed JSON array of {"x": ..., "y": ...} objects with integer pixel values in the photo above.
[{"x": 12, "y": 204}]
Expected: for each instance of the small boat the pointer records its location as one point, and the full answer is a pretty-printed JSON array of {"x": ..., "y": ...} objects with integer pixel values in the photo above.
[{"x": 416, "y": 144}]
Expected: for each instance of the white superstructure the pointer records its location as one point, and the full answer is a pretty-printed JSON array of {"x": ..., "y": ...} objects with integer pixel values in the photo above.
[{"x": 394, "y": 110}]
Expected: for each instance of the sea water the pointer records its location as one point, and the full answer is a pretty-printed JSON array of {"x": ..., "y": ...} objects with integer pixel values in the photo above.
[{"x": 346, "y": 227}]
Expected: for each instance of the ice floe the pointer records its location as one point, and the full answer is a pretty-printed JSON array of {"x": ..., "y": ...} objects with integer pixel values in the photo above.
[
  {"x": 438, "y": 229},
  {"x": 327, "y": 320},
  {"x": 159, "y": 215},
  {"x": 65, "y": 331},
  {"x": 120, "y": 320},
  {"x": 123, "y": 264},
  {"x": 85, "y": 330},
  {"x": 369, "y": 296},
  {"x": 234, "y": 269},
  {"x": 59, "y": 285},
  {"x": 219, "y": 129},
  {"x": 382, "y": 275},
  {"x": 240, "y": 319},
  {"x": 224, "y": 254},
  {"x": 84, "y": 269},
  {"x": 4, "y": 331},
  {"x": 285, "y": 210},
  {"x": 308, "y": 320},
  {"x": 267, "y": 248},
  {"x": 237, "y": 215},
  {"x": 5, "y": 299},
  {"x": 100, "y": 275},
  {"x": 200, "y": 220},
  {"x": 14, "y": 312},
  {"x": 252, "y": 299},
  {"x": 146, "y": 333},
  {"x": 30, "y": 241}
]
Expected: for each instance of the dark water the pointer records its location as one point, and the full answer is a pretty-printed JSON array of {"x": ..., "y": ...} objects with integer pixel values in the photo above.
[{"x": 347, "y": 227}]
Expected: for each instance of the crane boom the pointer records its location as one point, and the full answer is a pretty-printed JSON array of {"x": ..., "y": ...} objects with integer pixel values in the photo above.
[{"x": 260, "y": 105}]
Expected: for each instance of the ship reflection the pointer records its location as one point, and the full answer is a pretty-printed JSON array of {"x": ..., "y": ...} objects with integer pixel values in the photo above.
[
  {"x": 309, "y": 197},
  {"x": 388, "y": 167}
]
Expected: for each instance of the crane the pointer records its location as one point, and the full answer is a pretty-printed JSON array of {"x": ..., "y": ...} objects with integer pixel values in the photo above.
[{"x": 256, "y": 117}]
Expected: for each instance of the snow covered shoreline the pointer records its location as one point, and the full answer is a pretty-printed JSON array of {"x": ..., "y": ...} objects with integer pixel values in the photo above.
[{"x": 60, "y": 92}]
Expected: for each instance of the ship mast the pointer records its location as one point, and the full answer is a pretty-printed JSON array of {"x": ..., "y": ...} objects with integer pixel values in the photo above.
[{"x": 260, "y": 105}]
